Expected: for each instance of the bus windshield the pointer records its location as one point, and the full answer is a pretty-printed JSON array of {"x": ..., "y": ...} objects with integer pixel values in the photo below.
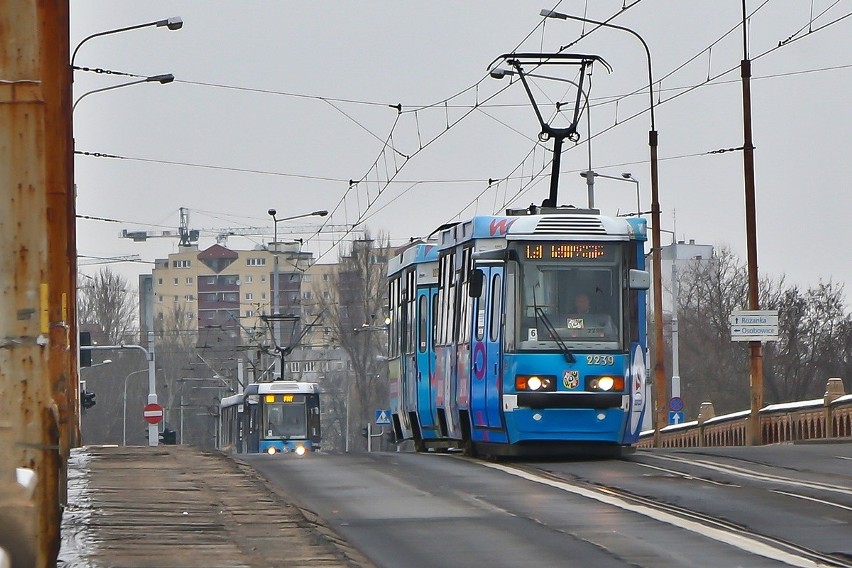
[
  {"x": 284, "y": 420},
  {"x": 570, "y": 294}
]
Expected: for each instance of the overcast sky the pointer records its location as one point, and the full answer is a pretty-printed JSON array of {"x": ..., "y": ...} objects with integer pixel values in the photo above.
[{"x": 281, "y": 104}]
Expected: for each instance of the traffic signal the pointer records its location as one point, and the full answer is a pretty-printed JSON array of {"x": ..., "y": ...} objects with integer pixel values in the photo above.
[
  {"x": 364, "y": 431},
  {"x": 87, "y": 399},
  {"x": 168, "y": 436},
  {"x": 85, "y": 354}
]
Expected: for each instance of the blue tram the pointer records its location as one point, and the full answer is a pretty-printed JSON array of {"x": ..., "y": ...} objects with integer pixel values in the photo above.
[
  {"x": 275, "y": 417},
  {"x": 522, "y": 334}
]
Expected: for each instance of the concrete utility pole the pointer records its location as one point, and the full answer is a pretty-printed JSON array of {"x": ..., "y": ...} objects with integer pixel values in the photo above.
[{"x": 38, "y": 390}]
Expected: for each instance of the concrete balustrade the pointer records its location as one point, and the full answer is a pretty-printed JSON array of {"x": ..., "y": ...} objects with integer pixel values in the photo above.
[{"x": 818, "y": 419}]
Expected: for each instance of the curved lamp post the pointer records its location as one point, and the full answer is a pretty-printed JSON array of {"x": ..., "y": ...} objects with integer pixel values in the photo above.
[
  {"x": 174, "y": 23},
  {"x": 279, "y": 367},
  {"x": 162, "y": 79},
  {"x": 659, "y": 348}
]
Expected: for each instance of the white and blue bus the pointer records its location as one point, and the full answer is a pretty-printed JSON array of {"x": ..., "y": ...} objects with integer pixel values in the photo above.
[
  {"x": 529, "y": 340},
  {"x": 275, "y": 417}
]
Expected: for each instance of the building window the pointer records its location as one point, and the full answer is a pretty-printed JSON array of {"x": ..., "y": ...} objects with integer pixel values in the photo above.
[
  {"x": 211, "y": 280},
  {"x": 255, "y": 261},
  {"x": 325, "y": 277},
  {"x": 189, "y": 280},
  {"x": 249, "y": 296},
  {"x": 294, "y": 366},
  {"x": 306, "y": 295},
  {"x": 248, "y": 279},
  {"x": 326, "y": 295},
  {"x": 307, "y": 278},
  {"x": 159, "y": 298},
  {"x": 249, "y": 313},
  {"x": 190, "y": 315},
  {"x": 181, "y": 263},
  {"x": 263, "y": 295},
  {"x": 160, "y": 281},
  {"x": 189, "y": 298},
  {"x": 310, "y": 366},
  {"x": 176, "y": 281},
  {"x": 263, "y": 277},
  {"x": 176, "y": 298}
]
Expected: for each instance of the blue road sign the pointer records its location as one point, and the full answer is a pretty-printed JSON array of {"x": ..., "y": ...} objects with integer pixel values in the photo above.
[
  {"x": 676, "y": 403},
  {"x": 676, "y": 418},
  {"x": 383, "y": 417}
]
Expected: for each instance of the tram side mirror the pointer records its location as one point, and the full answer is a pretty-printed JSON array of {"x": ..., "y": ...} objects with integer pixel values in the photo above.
[
  {"x": 639, "y": 279},
  {"x": 474, "y": 289}
]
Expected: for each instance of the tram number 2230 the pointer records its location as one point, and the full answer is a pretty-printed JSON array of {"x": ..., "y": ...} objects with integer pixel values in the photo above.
[{"x": 600, "y": 360}]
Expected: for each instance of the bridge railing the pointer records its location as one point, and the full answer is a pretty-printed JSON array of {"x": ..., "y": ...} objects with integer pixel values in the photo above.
[{"x": 818, "y": 419}]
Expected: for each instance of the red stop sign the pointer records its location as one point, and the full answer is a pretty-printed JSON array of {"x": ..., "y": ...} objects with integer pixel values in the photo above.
[{"x": 152, "y": 413}]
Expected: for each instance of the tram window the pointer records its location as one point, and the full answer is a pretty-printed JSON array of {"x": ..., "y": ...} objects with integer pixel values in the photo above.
[
  {"x": 496, "y": 302},
  {"x": 422, "y": 320}
]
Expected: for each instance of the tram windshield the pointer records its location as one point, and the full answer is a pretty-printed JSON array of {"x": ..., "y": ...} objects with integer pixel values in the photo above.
[
  {"x": 570, "y": 295},
  {"x": 284, "y": 420}
]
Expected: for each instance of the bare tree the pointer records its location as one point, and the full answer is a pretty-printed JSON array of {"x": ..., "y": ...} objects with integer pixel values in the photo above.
[
  {"x": 813, "y": 324},
  {"x": 106, "y": 302},
  {"x": 355, "y": 313},
  {"x": 814, "y": 327}
]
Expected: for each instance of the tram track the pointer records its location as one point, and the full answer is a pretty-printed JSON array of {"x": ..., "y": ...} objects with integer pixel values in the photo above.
[{"x": 711, "y": 527}]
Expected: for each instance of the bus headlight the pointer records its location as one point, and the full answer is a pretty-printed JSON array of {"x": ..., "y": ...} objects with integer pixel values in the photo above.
[
  {"x": 605, "y": 383},
  {"x": 535, "y": 383},
  {"x": 300, "y": 450},
  {"x": 270, "y": 450}
]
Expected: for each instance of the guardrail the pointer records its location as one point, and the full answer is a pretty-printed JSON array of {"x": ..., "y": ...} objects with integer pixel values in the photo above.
[{"x": 819, "y": 419}]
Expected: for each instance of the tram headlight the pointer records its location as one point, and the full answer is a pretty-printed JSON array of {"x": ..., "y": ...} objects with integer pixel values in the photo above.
[
  {"x": 537, "y": 383},
  {"x": 270, "y": 450},
  {"x": 605, "y": 383},
  {"x": 300, "y": 450}
]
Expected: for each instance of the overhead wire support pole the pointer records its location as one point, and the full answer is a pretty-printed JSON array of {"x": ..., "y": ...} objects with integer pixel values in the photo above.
[
  {"x": 660, "y": 385},
  {"x": 755, "y": 347}
]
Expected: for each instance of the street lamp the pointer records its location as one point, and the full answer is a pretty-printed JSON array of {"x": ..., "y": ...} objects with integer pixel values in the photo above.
[
  {"x": 659, "y": 351},
  {"x": 124, "y": 411},
  {"x": 174, "y": 23},
  {"x": 626, "y": 176},
  {"x": 162, "y": 79},
  {"x": 275, "y": 301}
]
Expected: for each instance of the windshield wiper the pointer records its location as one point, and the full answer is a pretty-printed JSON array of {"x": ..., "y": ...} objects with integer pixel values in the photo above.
[{"x": 569, "y": 357}]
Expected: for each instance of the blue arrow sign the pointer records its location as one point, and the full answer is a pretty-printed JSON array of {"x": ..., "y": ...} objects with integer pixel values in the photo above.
[{"x": 676, "y": 418}]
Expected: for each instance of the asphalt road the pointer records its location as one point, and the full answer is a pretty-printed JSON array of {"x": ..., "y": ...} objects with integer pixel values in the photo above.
[{"x": 768, "y": 506}]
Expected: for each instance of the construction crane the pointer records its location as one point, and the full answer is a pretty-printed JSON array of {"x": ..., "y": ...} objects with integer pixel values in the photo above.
[
  {"x": 186, "y": 237},
  {"x": 189, "y": 237},
  {"x": 222, "y": 234}
]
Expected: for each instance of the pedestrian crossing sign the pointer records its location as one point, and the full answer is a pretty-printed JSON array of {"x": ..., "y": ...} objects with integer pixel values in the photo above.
[{"x": 383, "y": 417}]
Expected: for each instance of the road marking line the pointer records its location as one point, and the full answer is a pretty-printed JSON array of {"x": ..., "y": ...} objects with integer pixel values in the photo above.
[
  {"x": 686, "y": 476},
  {"x": 806, "y": 498},
  {"x": 749, "y": 545}
]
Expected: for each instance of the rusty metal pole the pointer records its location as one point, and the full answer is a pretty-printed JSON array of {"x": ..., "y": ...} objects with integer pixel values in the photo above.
[
  {"x": 62, "y": 253},
  {"x": 33, "y": 158},
  {"x": 755, "y": 347}
]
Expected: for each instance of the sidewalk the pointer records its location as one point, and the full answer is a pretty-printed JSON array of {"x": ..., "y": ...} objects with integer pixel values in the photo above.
[{"x": 174, "y": 506}]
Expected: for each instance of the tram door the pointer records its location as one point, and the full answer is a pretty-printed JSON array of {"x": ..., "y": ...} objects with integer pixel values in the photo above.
[
  {"x": 487, "y": 341},
  {"x": 425, "y": 355}
]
